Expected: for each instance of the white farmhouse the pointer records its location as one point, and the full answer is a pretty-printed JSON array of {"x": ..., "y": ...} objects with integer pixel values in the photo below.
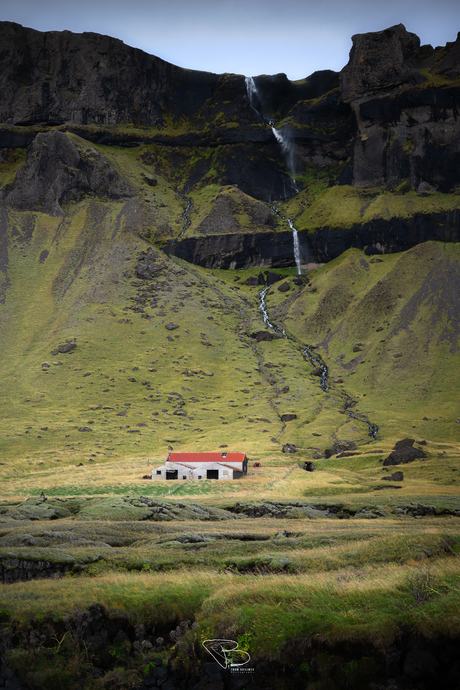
[{"x": 202, "y": 466}]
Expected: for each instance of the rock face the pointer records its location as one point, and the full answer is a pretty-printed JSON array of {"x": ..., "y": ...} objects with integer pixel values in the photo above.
[
  {"x": 388, "y": 120},
  {"x": 56, "y": 171},
  {"x": 58, "y": 77},
  {"x": 20, "y": 569},
  {"x": 237, "y": 250},
  {"x": 406, "y": 127},
  {"x": 380, "y": 61}
]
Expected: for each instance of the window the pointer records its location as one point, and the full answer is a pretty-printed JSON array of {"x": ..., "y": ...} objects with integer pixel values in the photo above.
[{"x": 158, "y": 471}]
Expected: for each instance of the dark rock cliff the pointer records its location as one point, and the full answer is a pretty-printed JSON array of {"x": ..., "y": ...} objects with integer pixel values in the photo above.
[
  {"x": 389, "y": 118},
  {"x": 394, "y": 114},
  {"x": 56, "y": 171},
  {"x": 56, "y": 77}
]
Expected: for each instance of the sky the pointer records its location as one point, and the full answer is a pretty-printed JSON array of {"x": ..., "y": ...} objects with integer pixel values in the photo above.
[{"x": 249, "y": 37}]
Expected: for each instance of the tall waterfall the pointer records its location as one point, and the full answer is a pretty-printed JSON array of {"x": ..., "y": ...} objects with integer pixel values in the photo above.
[
  {"x": 289, "y": 152},
  {"x": 295, "y": 239},
  {"x": 282, "y": 137},
  {"x": 288, "y": 149},
  {"x": 251, "y": 89}
]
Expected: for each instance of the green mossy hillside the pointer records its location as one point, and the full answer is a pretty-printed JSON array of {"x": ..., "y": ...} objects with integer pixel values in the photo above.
[{"x": 388, "y": 328}]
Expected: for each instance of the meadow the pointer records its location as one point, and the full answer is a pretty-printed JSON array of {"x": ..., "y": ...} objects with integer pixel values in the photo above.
[{"x": 297, "y": 566}]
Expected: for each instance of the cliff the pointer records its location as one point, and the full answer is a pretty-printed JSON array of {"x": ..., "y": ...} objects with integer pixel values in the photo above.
[{"x": 384, "y": 130}]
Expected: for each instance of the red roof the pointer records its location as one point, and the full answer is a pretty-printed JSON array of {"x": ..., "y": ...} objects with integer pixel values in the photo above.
[{"x": 206, "y": 457}]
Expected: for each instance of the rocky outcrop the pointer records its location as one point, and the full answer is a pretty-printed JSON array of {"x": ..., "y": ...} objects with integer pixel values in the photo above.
[
  {"x": 380, "y": 61},
  {"x": 448, "y": 63},
  {"x": 225, "y": 209},
  {"x": 56, "y": 171},
  {"x": 69, "y": 346},
  {"x": 410, "y": 661},
  {"x": 275, "y": 95},
  {"x": 404, "y": 452},
  {"x": 383, "y": 235},
  {"x": 406, "y": 127},
  {"x": 395, "y": 477},
  {"x": 17, "y": 569},
  {"x": 389, "y": 118},
  {"x": 264, "y": 336},
  {"x": 236, "y": 250}
]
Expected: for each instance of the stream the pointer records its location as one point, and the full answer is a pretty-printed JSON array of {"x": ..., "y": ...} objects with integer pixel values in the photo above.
[
  {"x": 314, "y": 358},
  {"x": 307, "y": 352}
]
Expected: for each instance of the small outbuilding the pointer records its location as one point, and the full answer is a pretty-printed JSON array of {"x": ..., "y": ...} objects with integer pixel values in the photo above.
[{"x": 202, "y": 466}]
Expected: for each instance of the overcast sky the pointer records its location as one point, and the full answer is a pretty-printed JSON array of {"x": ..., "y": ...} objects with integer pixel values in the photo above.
[{"x": 247, "y": 37}]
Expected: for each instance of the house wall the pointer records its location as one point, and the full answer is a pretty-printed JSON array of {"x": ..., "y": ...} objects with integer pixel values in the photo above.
[{"x": 200, "y": 471}]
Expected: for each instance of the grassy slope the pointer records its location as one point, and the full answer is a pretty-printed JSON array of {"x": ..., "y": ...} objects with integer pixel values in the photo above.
[
  {"x": 388, "y": 327},
  {"x": 83, "y": 289},
  {"x": 369, "y": 318}
]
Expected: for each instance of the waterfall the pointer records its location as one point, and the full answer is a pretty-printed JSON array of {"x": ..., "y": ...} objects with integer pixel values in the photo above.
[
  {"x": 251, "y": 89},
  {"x": 295, "y": 239},
  {"x": 282, "y": 137},
  {"x": 289, "y": 151}
]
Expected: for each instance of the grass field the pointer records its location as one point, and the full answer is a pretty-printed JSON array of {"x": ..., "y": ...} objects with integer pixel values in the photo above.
[{"x": 339, "y": 555}]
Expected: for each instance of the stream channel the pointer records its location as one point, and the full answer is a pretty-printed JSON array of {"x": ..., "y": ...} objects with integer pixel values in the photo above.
[{"x": 314, "y": 359}]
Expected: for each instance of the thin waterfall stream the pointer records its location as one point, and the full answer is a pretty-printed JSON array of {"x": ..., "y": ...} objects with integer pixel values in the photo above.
[
  {"x": 314, "y": 358},
  {"x": 186, "y": 220},
  {"x": 307, "y": 352},
  {"x": 290, "y": 153},
  {"x": 295, "y": 239}
]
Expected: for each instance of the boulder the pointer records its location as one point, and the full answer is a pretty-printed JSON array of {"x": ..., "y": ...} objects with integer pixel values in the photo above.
[
  {"x": 289, "y": 448},
  {"x": 288, "y": 417},
  {"x": 272, "y": 278},
  {"x": 403, "y": 453},
  {"x": 260, "y": 336},
  {"x": 309, "y": 466},
  {"x": 148, "y": 264},
  {"x": 68, "y": 346},
  {"x": 395, "y": 477},
  {"x": 341, "y": 446},
  {"x": 151, "y": 181}
]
